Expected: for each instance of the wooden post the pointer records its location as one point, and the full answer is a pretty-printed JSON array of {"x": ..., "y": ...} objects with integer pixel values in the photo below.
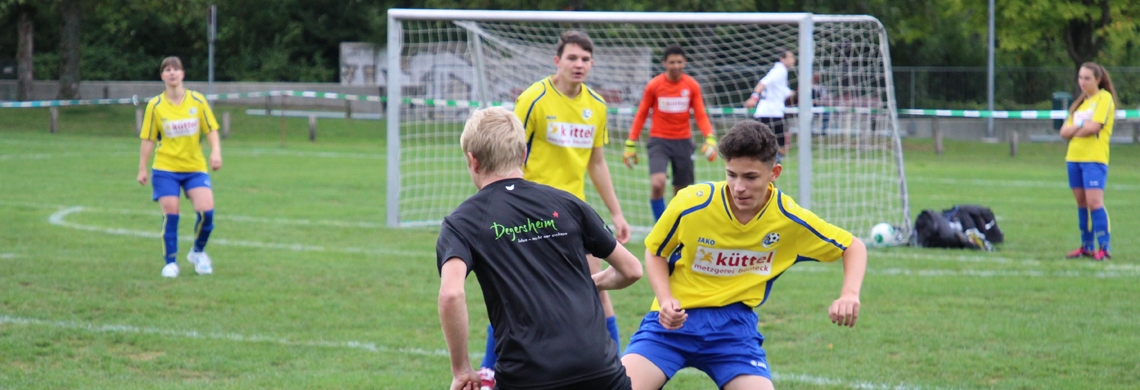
[
  {"x": 347, "y": 109},
  {"x": 225, "y": 124},
  {"x": 1013, "y": 143},
  {"x": 138, "y": 120},
  {"x": 282, "y": 121},
  {"x": 937, "y": 136},
  {"x": 312, "y": 128},
  {"x": 54, "y": 119}
]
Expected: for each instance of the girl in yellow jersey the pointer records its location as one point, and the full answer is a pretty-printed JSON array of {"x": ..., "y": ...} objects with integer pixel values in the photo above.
[
  {"x": 176, "y": 120},
  {"x": 714, "y": 256},
  {"x": 1088, "y": 130}
]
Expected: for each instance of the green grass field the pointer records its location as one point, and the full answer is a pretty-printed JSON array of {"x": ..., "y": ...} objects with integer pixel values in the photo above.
[{"x": 312, "y": 291}]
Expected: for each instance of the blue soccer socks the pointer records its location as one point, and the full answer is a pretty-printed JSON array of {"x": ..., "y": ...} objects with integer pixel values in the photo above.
[
  {"x": 169, "y": 237},
  {"x": 658, "y": 206},
  {"x": 1087, "y": 240},
  {"x": 1100, "y": 227},
  {"x": 611, "y": 325},
  {"x": 202, "y": 229},
  {"x": 489, "y": 357}
]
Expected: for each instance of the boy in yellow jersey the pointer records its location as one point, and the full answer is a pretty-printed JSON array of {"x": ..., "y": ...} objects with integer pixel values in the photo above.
[
  {"x": 176, "y": 120},
  {"x": 1089, "y": 129},
  {"x": 732, "y": 239},
  {"x": 565, "y": 124}
]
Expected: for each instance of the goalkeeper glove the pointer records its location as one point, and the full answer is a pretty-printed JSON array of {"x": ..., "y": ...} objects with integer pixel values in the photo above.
[
  {"x": 709, "y": 148},
  {"x": 630, "y": 155}
]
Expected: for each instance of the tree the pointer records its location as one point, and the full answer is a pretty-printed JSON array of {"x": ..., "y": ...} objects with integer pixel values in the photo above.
[
  {"x": 70, "y": 44},
  {"x": 25, "y": 67}
]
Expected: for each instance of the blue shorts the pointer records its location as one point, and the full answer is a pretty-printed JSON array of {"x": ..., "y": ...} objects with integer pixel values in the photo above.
[
  {"x": 721, "y": 341},
  {"x": 172, "y": 183},
  {"x": 1088, "y": 175}
]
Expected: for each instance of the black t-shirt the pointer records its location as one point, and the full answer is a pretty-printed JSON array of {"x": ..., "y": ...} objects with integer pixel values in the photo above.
[{"x": 527, "y": 244}]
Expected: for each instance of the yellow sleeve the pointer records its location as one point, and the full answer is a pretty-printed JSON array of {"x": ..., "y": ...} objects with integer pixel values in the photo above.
[
  {"x": 207, "y": 115},
  {"x": 602, "y": 137},
  {"x": 150, "y": 128},
  {"x": 528, "y": 110},
  {"x": 665, "y": 237},
  {"x": 1105, "y": 107},
  {"x": 817, "y": 239}
]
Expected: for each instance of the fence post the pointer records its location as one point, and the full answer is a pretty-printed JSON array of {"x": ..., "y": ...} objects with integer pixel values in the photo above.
[
  {"x": 268, "y": 105},
  {"x": 347, "y": 109},
  {"x": 138, "y": 120},
  {"x": 282, "y": 121},
  {"x": 54, "y": 119},
  {"x": 1013, "y": 143},
  {"x": 937, "y": 135},
  {"x": 225, "y": 124},
  {"x": 1136, "y": 133},
  {"x": 312, "y": 128},
  {"x": 106, "y": 92}
]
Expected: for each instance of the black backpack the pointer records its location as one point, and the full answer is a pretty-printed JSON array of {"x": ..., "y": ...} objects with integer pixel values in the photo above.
[{"x": 963, "y": 226}]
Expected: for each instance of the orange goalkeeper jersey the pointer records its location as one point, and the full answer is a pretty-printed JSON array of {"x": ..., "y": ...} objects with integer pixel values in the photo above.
[{"x": 671, "y": 102}]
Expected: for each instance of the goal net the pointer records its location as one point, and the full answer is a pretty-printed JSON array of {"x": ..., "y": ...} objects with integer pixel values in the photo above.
[{"x": 447, "y": 63}]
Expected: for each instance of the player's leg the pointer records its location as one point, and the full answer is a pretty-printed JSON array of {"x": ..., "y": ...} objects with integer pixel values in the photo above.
[
  {"x": 1095, "y": 176},
  {"x": 655, "y": 354},
  {"x": 202, "y": 196},
  {"x": 1077, "y": 184},
  {"x": 487, "y": 369},
  {"x": 607, "y": 305},
  {"x": 777, "y": 126},
  {"x": 165, "y": 191},
  {"x": 749, "y": 382},
  {"x": 681, "y": 156},
  {"x": 658, "y": 163}
]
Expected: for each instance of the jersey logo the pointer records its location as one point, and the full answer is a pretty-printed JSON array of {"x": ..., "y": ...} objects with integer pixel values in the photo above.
[
  {"x": 511, "y": 187},
  {"x": 570, "y": 135},
  {"x": 673, "y": 105},
  {"x": 685, "y": 92},
  {"x": 732, "y": 262},
  {"x": 193, "y": 110},
  {"x": 770, "y": 239},
  {"x": 705, "y": 241},
  {"x": 531, "y": 226},
  {"x": 587, "y": 113},
  {"x": 174, "y": 128}
]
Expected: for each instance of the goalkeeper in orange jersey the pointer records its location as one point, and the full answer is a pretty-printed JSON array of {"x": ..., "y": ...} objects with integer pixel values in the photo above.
[{"x": 671, "y": 95}]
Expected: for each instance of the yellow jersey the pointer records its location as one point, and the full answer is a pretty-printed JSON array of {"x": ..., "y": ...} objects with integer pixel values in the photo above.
[
  {"x": 723, "y": 261},
  {"x": 178, "y": 130},
  {"x": 561, "y": 134},
  {"x": 1099, "y": 108}
]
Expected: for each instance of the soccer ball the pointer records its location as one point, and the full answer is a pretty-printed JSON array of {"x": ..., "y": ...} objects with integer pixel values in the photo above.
[{"x": 884, "y": 234}]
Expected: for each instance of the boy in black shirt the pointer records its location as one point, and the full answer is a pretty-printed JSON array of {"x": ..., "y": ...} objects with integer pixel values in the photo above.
[{"x": 527, "y": 243}]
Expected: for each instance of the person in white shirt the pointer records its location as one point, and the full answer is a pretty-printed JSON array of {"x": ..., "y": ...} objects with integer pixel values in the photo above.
[{"x": 769, "y": 95}]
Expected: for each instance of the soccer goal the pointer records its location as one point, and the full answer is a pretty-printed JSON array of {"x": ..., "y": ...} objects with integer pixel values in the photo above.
[{"x": 845, "y": 162}]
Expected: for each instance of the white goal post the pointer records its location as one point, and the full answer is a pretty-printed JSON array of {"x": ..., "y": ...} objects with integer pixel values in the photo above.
[{"x": 846, "y": 151}]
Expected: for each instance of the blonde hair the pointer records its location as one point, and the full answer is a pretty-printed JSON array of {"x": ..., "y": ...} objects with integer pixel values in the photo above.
[
  {"x": 1104, "y": 82},
  {"x": 171, "y": 61},
  {"x": 496, "y": 138}
]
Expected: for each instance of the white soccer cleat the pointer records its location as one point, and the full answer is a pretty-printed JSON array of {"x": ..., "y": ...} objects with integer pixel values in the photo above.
[
  {"x": 201, "y": 261},
  {"x": 170, "y": 270}
]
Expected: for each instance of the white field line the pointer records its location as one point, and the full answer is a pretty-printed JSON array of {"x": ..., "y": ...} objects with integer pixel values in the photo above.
[
  {"x": 366, "y": 346},
  {"x": 229, "y": 152},
  {"x": 58, "y": 219},
  {"x": 224, "y": 217},
  {"x": 1059, "y": 184}
]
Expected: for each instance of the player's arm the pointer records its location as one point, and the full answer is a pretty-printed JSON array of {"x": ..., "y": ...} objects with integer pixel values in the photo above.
[
  {"x": 648, "y": 99},
  {"x": 148, "y": 135},
  {"x": 1100, "y": 117},
  {"x": 600, "y": 176},
  {"x": 697, "y": 103},
  {"x": 845, "y": 310},
  {"x": 453, "y": 318},
  {"x": 212, "y": 137},
  {"x": 624, "y": 270},
  {"x": 671, "y": 316}
]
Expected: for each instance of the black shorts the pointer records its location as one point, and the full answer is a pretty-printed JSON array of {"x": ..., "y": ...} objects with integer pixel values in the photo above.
[
  {"x": 618, "y": 380},
  {"x": 677, "y": 151},
  {"x": 778, "y": 126}
]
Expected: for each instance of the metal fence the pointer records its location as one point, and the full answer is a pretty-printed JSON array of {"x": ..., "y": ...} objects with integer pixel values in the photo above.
[{"x": 1015, "y": 88}]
